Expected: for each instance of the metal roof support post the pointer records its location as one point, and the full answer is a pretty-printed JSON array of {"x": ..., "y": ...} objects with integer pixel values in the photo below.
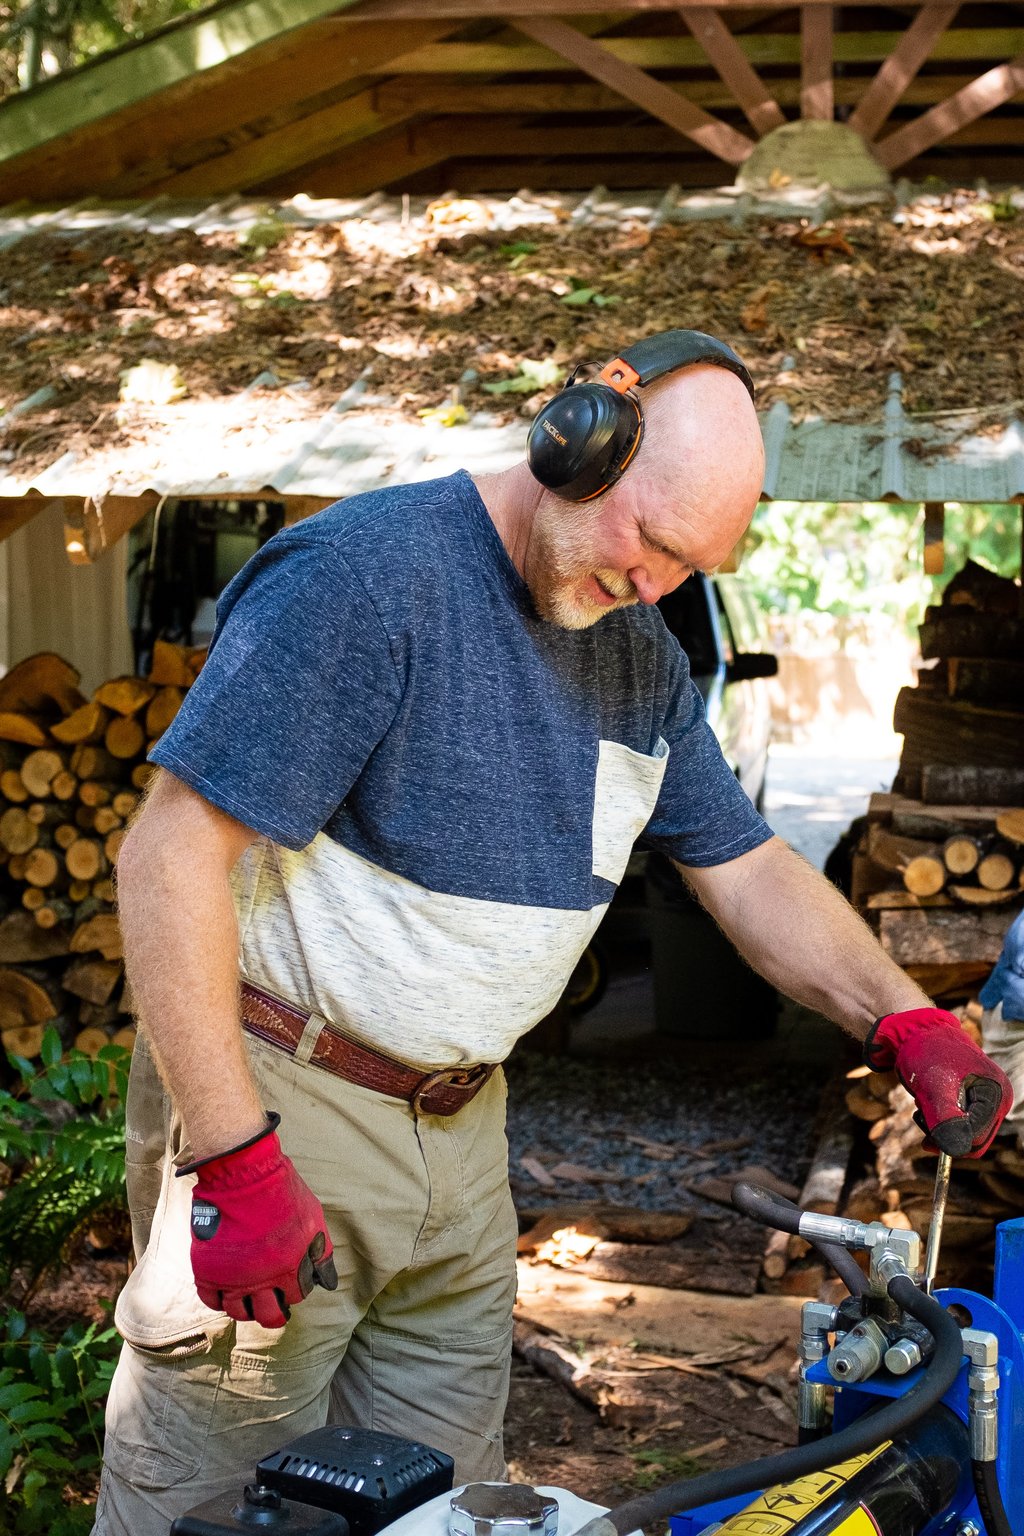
[
  {"x": 934, "y": 537},
  {"x": 893, "y": 483}
]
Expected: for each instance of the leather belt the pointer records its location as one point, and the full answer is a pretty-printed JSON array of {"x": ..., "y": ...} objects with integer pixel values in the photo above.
[{"x": 443, "y": 1092}]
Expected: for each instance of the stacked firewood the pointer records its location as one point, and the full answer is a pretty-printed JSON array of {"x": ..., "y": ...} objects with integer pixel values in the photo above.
[
  {"x": 72, "y": 771},
  {"x": 963, "y": 725},
  {"x": 938, "y": 865},
  {"x": 940, "y": 884}
]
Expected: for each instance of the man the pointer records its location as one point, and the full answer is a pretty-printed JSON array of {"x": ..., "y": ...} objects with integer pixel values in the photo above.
[{"x": 433, "y": 722}]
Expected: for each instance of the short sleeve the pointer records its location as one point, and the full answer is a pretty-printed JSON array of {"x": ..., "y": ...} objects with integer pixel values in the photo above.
[
  {"x": 703, "y": 817},
  {"x": 299, "y": 687}
]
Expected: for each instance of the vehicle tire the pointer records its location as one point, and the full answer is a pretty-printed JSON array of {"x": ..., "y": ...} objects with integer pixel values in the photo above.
[{"x": 589, "y": 980}]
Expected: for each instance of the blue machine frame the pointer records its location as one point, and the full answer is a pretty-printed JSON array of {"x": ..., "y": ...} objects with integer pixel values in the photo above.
[{"x": 1002, "y": 1316}]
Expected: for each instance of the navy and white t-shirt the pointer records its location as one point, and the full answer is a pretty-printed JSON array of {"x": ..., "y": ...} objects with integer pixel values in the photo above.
[{"x": 447, "y": 787}]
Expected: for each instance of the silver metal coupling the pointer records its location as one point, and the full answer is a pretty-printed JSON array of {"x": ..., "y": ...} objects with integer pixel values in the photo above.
[
  {"x": 902, "y": 1356},
  {"x": 889, "y": 1263},
  {"x": 837, "y": 1229},
  {"x": 859, "y": 1353},
  {"x": 817, "y": 1321},
  {"x": 892, "y": 1253},
  {"x": 982, "y": 1350}
]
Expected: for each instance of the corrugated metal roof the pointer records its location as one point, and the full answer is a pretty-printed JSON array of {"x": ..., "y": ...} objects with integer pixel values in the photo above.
[
  {"x": 958, "y": 456},
  {"x": 364, "y": 441},
  {"x": 270, "y": 441},
  {"x": 597, "y": 207}
]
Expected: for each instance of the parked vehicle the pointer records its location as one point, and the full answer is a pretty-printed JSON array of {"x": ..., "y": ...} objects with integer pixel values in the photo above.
[{"x": 717, "y": 622}]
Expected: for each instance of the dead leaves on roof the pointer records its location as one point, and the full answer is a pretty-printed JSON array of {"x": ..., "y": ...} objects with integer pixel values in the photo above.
[{"x": 821, "y": 314}]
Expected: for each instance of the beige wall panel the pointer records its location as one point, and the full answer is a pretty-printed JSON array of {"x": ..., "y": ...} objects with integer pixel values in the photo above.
[{"x": 48, "y": 604}]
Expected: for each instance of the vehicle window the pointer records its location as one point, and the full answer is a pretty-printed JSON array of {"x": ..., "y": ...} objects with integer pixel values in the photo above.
[
  {"x": 725, "y": 627},
  {"x": 741, "y": 612},
  {"x": 688, "y": 617}
]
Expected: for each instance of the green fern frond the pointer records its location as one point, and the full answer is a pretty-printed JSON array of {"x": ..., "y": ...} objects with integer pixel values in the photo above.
[{"x": 53, "y": 1201}]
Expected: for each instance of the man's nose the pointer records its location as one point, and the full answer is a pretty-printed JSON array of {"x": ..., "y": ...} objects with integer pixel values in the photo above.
[{"x": 649, "y": 587}]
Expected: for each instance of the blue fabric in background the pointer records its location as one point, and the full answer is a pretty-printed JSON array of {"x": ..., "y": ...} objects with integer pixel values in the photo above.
[{"x": 1006, "y": 983}]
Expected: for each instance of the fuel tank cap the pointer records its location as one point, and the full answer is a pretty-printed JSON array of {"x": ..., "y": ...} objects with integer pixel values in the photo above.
[{"x": 503, "y": 1509}]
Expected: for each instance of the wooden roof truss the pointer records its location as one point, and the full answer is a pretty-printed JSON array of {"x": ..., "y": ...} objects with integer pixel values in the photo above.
[{"x": 416, "y": 95}]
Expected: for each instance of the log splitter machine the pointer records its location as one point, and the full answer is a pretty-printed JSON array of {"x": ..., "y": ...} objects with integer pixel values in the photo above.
[{"x": 925, "y": 1437}]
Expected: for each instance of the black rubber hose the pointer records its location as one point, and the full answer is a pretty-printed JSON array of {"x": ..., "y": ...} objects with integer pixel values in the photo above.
[
  {"x": 864, "y": 1434},
  {"x": 990, "y": 1500},
  {"x": 774, "y": 1210}
]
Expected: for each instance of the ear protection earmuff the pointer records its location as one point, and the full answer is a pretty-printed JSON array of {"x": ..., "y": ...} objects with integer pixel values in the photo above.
[{"x": 584, "y": 439}]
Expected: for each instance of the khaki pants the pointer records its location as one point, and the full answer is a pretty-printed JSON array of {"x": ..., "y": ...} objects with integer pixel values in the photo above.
[{"x": 416, "y": 1340}]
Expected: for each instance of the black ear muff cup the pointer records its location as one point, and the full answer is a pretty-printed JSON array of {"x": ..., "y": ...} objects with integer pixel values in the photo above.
[
  {"x": 581, "y": 441},
  {"x": 584, "y": 439}
]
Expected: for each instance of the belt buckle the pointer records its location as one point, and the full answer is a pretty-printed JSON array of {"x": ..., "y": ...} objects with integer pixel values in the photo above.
[{"x": 462, "y": 1077}]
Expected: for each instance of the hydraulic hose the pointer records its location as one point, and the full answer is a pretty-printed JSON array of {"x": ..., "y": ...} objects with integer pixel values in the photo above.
[
  {"x": 990, "y": 1500},
  {"x": 864, "y": 1434},
  {"x": 774, "y": 1210}
]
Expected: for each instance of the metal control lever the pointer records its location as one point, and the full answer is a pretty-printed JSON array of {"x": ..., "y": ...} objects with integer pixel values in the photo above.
[{"x": 939, "y": 1198}]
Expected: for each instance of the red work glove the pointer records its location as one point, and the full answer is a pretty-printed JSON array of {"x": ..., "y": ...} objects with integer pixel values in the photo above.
[
  {"x": 259, "y": 1239},
  {"x": 962, "y": 1096}
]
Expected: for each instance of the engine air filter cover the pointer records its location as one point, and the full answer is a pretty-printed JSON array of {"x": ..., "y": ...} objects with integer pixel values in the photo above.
[{"x": 369, "y": 1477}]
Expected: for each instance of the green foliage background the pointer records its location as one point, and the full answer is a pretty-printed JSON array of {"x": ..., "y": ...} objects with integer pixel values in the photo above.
[
  {"x": 862, "y": 564},
  {"x": 62, "y": 1162},
  {"x": 36, "y": 35}
]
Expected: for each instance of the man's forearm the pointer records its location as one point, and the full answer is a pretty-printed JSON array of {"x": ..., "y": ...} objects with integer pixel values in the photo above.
[
  {"x": 181, "y": 955},
  {"x": 792, "y": 925}
]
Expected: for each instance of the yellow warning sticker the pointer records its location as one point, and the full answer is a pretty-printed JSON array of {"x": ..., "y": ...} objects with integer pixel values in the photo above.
[{"x": 777, "y": 1510}]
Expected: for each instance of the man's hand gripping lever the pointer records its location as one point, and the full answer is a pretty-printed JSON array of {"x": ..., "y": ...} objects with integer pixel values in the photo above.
[
  {"x": 259, "y": 1238},
  {"x": 962, "y": 1097}
]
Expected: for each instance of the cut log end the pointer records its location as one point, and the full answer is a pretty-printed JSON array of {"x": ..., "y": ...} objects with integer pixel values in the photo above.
[{"x": 924, "y": 875}]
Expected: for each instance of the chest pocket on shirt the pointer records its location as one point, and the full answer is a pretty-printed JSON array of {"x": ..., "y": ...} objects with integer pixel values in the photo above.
[{"x": 625, "y": 794}]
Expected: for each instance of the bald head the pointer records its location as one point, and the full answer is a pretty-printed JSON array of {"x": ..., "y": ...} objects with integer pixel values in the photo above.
[
  {"x": 703, "y": 446},
  {"x": 682, "y": 505}
]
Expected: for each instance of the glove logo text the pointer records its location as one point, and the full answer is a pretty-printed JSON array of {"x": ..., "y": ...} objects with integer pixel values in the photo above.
[{"x": 205, "y": 1220}]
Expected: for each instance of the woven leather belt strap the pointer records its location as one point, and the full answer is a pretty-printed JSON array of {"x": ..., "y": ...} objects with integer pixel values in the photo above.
[{"x": 443, "y": 1092}]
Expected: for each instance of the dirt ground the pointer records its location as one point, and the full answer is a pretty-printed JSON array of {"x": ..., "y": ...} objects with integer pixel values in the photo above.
[{"x": 664, "y": 1414}]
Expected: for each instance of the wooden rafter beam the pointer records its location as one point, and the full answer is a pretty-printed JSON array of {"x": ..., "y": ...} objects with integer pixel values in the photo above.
[
  {"x": 207, "y": 164},
  {"x": 683, "y": 53},
  {"x": 126, "y": 155},
  {"x": 989, "y": 91},
  {"x": 725, "y": 53},
  {"x": 640, "y": 88},
  {"x": 16, "y": 511},
  {"x": 264, "y": 148},
  {"x": 817, "y": 100},
  {"x": 465, "y": 10},
  {"x": 497, "y": 138},
  {"x": 282, "y": 150},
  {"x": 418, "y": 96},
  {"x": 890, "y": 84},
  {"x": 690, "y": 168},
  {"x": 382, "y": 161}
]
